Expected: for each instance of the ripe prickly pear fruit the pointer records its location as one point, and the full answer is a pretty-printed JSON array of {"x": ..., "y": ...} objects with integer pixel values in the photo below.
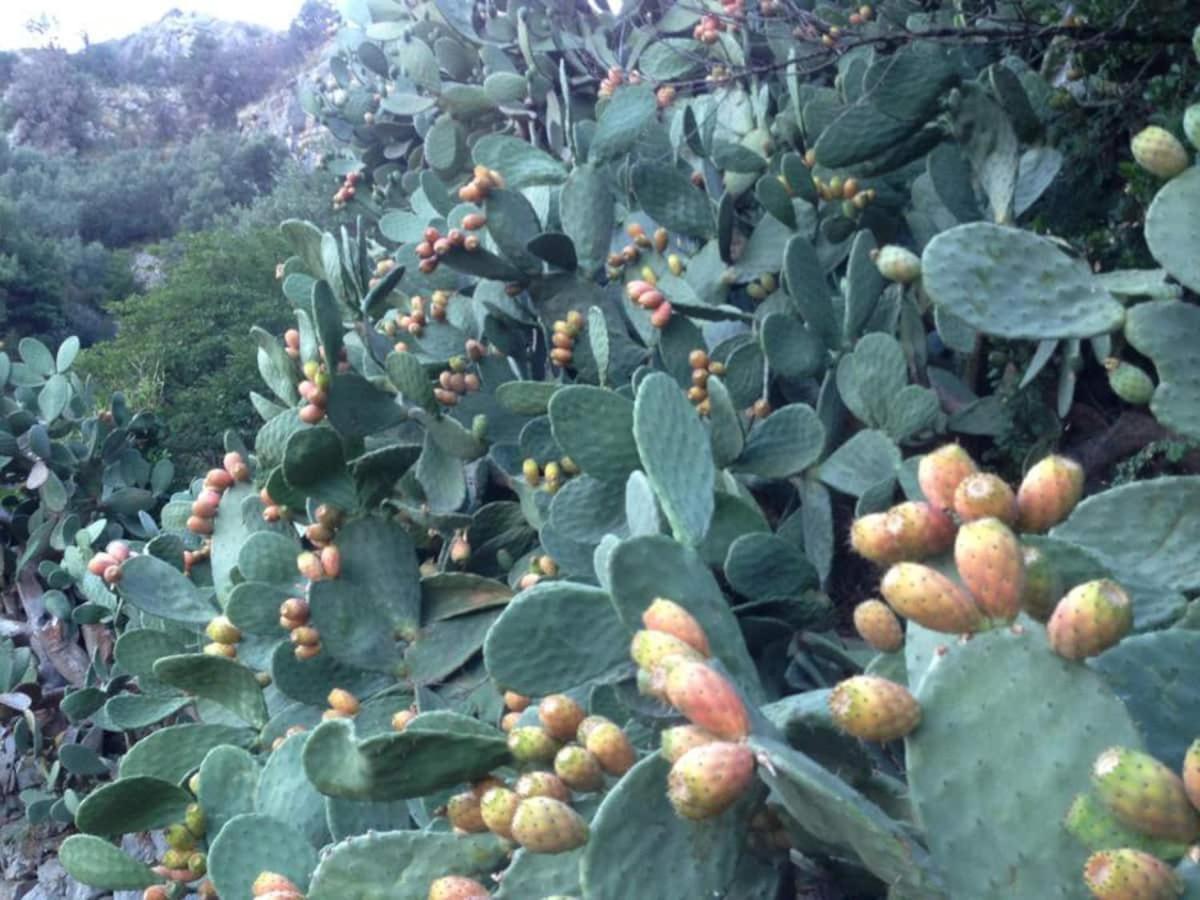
[
  {"x": 1159, "y": 152},
  {"x": 343, "y": 701},
  {"x": 546, "y": 825},
  {"x": 1191, "y": 773},
  {"x": 1129, "y": 382},
  {"x": 989, "y": 561},
  {"x": 706, "y": 698},
  {"x": 707, "y": 780},
  {"x": 1048, "y": 492},
  {"x": 1043, "y": 587},
  {"x": 1094, "y": 826},
  {"x": 921, "y": 530},
  {"x": 873, "y": 708},
  {"x": 1145, "y": 794},
  {"x": 560, "y": 716},
  {"x": 898, "y": 264},
  {"x": 498, "y": 806},
  {"x": 872, "y": 539},
  {"x": 463, "y": 811},
  {"x": 669, "y": 617},
  {"x": 456, "y": 887},
  {"x": 542, "y": 784},
  {"x": 878, "y": 626},
  {"x": 531, "y": 743},
  {"x": 678, "y": 740},
  {"x": 1128, "y": 874},
  {"x": 985, "y": 495},
  {"x": 929, "y": 598},
  {"x": 1091, "y": 618},
  {"x": 266, "y": 882},
  {"x": 588, "y": 725},
  {"x": 1191, "y": 124},
  {"x": 940, "y": 473},
  {"x": 611, "y": 748},
  {"x": 516, "y": 702},
  {"x": 579, "y": 769},
  {"x": 652, "y": 650}
]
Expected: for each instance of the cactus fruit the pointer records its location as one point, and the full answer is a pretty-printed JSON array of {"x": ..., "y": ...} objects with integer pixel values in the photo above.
[
  {"x": 542, "y": 784},
  {"x": 706, "y": 698},
  {"x": 272, "y": 882},
  {"x": 921, "y": 529},
  {"x": 1191, "y": 125},
  {"x": 456, "y": 887},
  {"x": 343, "y": 702},
  {"x": 878, "y": 626},
  {"x": 1091, "y": 618},
  {"x": 678, "y": 740},
  {"x": 178, "y": 837},
  {"x": 579, "y": 769},
  {"x": 929, "y": 598},
  {"x": 707, "y": 780},
  {"x": 873, "y": 708},
  {"x": 516, "y": 702},
  {"x": 195, "y": 820},
  {"x": 989, "y": 561},
  {"x": 1129, "y": 382},
  {"x": 1128, "y": 874},
  {"x": 464, "y": 813},
  {"x": 1159, "y": 152},
  {"x": 531, "y": 743},
  {"x": 1145, "y": 794},
  {"x": 1043, "y": 588},
  {"x": 898, "y": 264},
  {"x": 560, "y": 716},
  {"x": 1095, "y": 826},
  {"x": 611, "y": 748},
  {"x": 653, "y": 683},
  {"x": 588, "y": 725},
  {"x": 652, "y": 649},
  {"x": 1048, "y": 492},
  {"x": 669, "y": 617},
  {"x": 546, "y": 825},
  {"x": 940, "y": 473},
  {"x": 984, "y": 495},
  {"x": 872, "y": 539},
  {"x": 498, "y": 806},
  {"x": 1191, "y": 773}
]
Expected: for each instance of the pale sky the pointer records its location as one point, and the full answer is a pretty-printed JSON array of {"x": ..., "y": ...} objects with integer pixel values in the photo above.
[{"x": 117, "y": 18}]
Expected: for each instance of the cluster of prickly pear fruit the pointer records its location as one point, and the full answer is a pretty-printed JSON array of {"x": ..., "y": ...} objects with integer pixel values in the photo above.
[
  {"x": 184, "y": 861},
  {"x": 216, "y": 482},
  {"x": 1139, "y": 817},
  {"x": 702, "y": 368},
  {"x": 107, "y": 563}
]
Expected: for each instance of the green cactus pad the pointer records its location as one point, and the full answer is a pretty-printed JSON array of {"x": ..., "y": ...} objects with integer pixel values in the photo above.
[
  {"x": 1155, "y": 675},
  {"x": 1161, "y": 330},
  {"x": 128, "y": 712},
  {"x": 519, "y": 162},
  {"x": 285, "y": 794},
  {"x": 99, "y": 864},
  {"x": 250, "y": 844},
  {"x": 868, "y": 459},
  {"x": 313, "y": 462},
  {"x": 411, "y": 763},
  {"x": 1142, "y": 532},
  {"x": 675, "y": 454},
  {"x": 445, "y": 646},
  {"x": 859, "y": 133},
  {"x": 541, "y": 875},
  {"x": 804, "y": 279},
  {"x": 595, "y": 428},
  {"x": 668, "y": 195},
  {"x": 310, "y": 681},
  {"x": 224, "y": 681},
  {"x": 450, "y": 594},
  {"x": 400, "y": 865},
  {"x": 1172, "y": 225},
  {"x": 357, "y": 408},
  {"x": 138, "y": 649},
  {"x": 171, "y": 753},
  {"x": 1015, "y": 284},
  {"x": 688, "y": 859},
  {"x": 228, "y": 783},
  {"x": 643, "y": 568},
  {"x": 1010, "y": 727},
  {"x": 765, "y": 566},
  {"x": 347, "y": 818},
  {"x": 132, "y": 804},
  {"x": 376, "y": 597},
  {"x": 512, "y": 223},
  {"x": 555, "y": 636},
  {"x": 805, "y": 720},
  {"x": 792, "y": 350},
  {"x": 625, "y": 116},
  {"x": 158, "y": 588},
  {"x": 830, "y": 810},
  {"x": 787, "y": 442}
]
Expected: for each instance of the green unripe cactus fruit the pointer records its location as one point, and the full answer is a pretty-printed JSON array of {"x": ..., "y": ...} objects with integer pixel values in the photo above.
[
  {"x": 579, "y": 769},
  {"x": 1159, "y": 152},
  {"x": 942, "y": 471},
  {"x": 546, "y": 825},
  {"x": 1094, "y": 826},
  {"x": 990, "y": 563},
  {"x": 878, "y": 626},
  {"x": 707, "y": 780},
  {"x": 1043, "y": 587},
  {"x": 1091, "y": 618},
  {"x": 1128, "y": 874},
  {"x": 898, "y": 264},
  {"x": 1048, "y": 492},
  {"x": 194, "y": 819},
  {"x": 179, "y": 837},
  {"x": 985, "y": 495},
  {"x": 873, "y": 708},
  {"x": 1129, "y": 382},
  {"x": 532, "y": 743},
  {"x": 1145, "y": 794},
  {"x": 929, "y": 598},
  {"x": 498, "y": 806}
]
